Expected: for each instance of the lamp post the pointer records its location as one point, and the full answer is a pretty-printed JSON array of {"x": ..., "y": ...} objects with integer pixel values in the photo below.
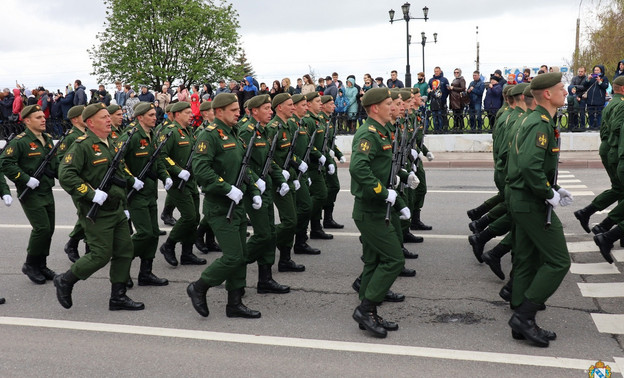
[
  {"x": 405, "y": 8},
  {"x": 424, "y": 42}
]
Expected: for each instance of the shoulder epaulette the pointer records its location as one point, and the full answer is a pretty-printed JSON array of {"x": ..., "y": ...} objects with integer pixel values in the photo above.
[
  {"x": 171, "y": 126},
  {"x": 544, "y": 118},
  {"x": 293, "y": 118},
  {"x": 274, "y": 124},
  {"x": 48, "y": 135},
  {"x": 372, "y": 129},
  {"x": 306, "y": 116},
  {"x": 70, "y": 131},
  {"x": 20, "y": 135},
  {"x": 81, "y": 138},
  {"x": 210, "y": 127},
  {"x": 250, "y": 126},
  {"x": 244, "y": 120}
]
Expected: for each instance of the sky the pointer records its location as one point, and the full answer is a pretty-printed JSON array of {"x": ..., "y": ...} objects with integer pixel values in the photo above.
[{"x": 45, "y": 42}]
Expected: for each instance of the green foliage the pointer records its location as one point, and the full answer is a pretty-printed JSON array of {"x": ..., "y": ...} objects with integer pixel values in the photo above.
[
  {"x": 242, "y": 68},
  {"x": 181, "y": 41}
]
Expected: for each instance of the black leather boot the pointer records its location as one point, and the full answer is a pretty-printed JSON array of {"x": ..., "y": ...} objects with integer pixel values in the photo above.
[
  {"x": 129, "y": 283},
  {"x": 212, "y": 244},
  {"x": 605, "y": 242},
  {"x": 584, "y": 214},
  {"x": 390, "y": 296},
  {"x": 302, "y": 248},
  {"x": 45, "y": 271},
  {"x": 316, "y": 231},
  {"x": 167, "y": 216},
  {"x": 406, "y": 272},
  {"x": 603, "y": 226},
  {"x": 197, "y": 292},
  {"x": 480, "y": 224},
  {"x": 493, "y": 259},
  {"x": 2, "y": 301},
  {"x": 408, "y": 237},
  {"x": 356, "y": 284},
  {"x": 505, "y": 291},
  {"x": 366, "y": 315},
  {"x": 236, "y": 309},
  {"x": 120, "y": 301},
  {"x": 71, "y": 248},
  {"x": 199, "y": 242},
  {"x": 523, "y": 323},
  {"x": 286, "y": 264},
  {"x": 31, "y": 269},
  {"x": 266, "y": 283},
  {"x": 477, "y": 212},
  {"x": 387, "y": 325},
  {"x": 147, "y": 278},
  {"x": 188, "y": 258},
  {"x": 64, "y": 284},
  {"x": 168, "y": 251},
  {"x": 417, "y": 224},
  {"x": 409, "y": 255},
  {"x": 477, "y": 241},
  {"x": 328, "y": 219}
]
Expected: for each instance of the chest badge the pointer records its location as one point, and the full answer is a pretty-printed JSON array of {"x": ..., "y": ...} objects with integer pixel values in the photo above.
[
  {"x": 143, "y": 143},
  {"x": 223, "y": 136},
  {"x": 96, "y": 149},
  {"x": 33, "y": 146}
]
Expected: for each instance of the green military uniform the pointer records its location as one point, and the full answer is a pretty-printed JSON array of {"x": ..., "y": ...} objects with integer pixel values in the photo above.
[
  {"x": 205, "y": 237},
  {"x": 167, "y": 212},
  {"x": 332, "y": 181}
]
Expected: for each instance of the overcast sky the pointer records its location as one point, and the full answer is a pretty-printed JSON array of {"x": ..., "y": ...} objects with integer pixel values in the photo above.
[{"x": 45, "y": 42}]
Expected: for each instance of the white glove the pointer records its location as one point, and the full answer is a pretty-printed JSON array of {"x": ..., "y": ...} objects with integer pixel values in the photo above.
[
  {"x": 412, "y": 180},
  {"x": 309, "y": 181},
  {"x": 397, "y": 180},
  {"x": 332, "y": 153},
  {"x": 99, "y": 197},
  {"x": 257, "y": 202},
  {"x": 343, "y": 160},
  {"x": 127, "y": 214},
  {"x": 414, "y": 167},
  {"x": 322, "y": 160},
  {"x": 554, "y": 201},
  {"x": 421, "y": 156},
  {"x": 331, "y": 169},
  {"x": 168, "y": 183},
  {"x": 32, "y": 183},
  {"x": 297, "y": 184},
  {"x": 566, "y": 197},
  {"x": 286, "y": 174},
  {"x": 184, "y": 175},
  {"x": 405, "y": 214},
  {"x": 303, "y": 167},
  {"x": 138, "y": 184},
  {"x": 235, "y": 195},
  {"x": 261, "y": 185},
  {"x": 430, "y": 156},
  {"x": 414, "y": 154},
  {"x": 8, "y": 200},
  {"x": 284, "y": 189},
  {"x": 392, "y": 195}
]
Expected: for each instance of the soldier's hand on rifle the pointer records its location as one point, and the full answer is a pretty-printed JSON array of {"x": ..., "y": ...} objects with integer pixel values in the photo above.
[
  {"x": 256, "y": 202},
  {"x": 261, "y": 185},
  {"x": 168, "y": 183},
  {"x": 286, "y": 174},
  {"x": 322, "y": 160},
  {"x": 421, "y": 156},
  {"x": 414, "y": 154},
  {"x": 303, "y": 167},
  {"x": 412, "y": 180},
  {"x": 297, "y": 184},
  {"x": 127, "y": 214},
  {"x": 284, "y": 189},
  {"x": 32, "y": 183},
  {"x": 392, "y": 195},
  {"x": 343, "y": 160},
  {"x": 554, "y": 201},
  {"x": 184, "y": 175},
  {"x": 405, "y": 214},
  {"x": 430, "y": 156},
  {"x": 331, "y": 169},
  {"x": 235, "y": 195},
  {"x": 566, "y": 197},
  {"x": 332, "y": 153},
  {"x": 99, "y": 197},
  {"x": 8, "y": 200},
  {"x": 138, "y": 184},
  {"x": 309, "y": 181}
]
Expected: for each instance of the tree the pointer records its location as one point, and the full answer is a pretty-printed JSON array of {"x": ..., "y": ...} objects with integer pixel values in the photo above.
[
  {"x": 150, "y": 42},
  {"x": 243, "y": 68}
]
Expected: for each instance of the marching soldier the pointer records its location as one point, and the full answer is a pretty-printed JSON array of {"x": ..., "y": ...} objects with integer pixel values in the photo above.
[
  {"x": 116, "y": 115},
  {"x": 5, "y": 193},
  {"x": 21, "y": 158},
  {"x": 217, "y": 164},
  {"x": 167, "y": 213},
  {"x": 175, "y": 155},
  {"x": 83, "y": 167}
]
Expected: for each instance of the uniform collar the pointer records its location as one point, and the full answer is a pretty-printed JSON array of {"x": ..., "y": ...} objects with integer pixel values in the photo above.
[{"x": 541, "y": 110}]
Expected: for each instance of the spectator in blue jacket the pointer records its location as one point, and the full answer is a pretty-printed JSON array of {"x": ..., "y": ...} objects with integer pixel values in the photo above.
[
  {"x": 80, "y": 97},
  {"x": 351, "y": 93},
  {"x": 596, "y": 85},
  {"x": 120, "y": 94},
  {"x": 493, "y": 99},
  {"x": 146, "y": 96},
  {"x": 475, "y": 90},
  {"x": 67, "y": 103}
]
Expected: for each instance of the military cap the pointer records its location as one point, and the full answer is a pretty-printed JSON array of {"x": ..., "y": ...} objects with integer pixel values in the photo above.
[
  {"x": 142, "y": 108},
  {"x": 415, "y": 91},
  {"x": 311, "y": 96},
  {"x": 258, "y": 101},
  {"x": 168, "y": 108},
  {"x": 375, "y": 96},
  {"x": 245, "y": 104},
  {"x": 30, "y": 110},
  {"x": 405, "y": 94},
  {"x": 297, "y": 98},
  {"x": 395, "y": 94},
  {"x": 90, "y": 110},
  {"x": 224, "y": 99},
  {"x": 179, "y": 106},
  {"x": 507, "y": 88},
  {"x": 113, "y": 108},
  {"x": 527, "y": 91},
  {"x": 546, "y": 80},
  {"x": 326, "y": 98},
  {"x": 619, "y": 81},
  {"x": 282, "y": 97},
  {"x": 518, "y": 89},
  {"x": 75, "y": 111},
  {"x": 206, "y": 105}
]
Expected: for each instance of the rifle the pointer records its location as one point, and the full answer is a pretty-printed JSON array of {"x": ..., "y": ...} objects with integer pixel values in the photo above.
[
  {"x": 269, "y": 159},
  {"x": 108, "y": 178},
  {"x": 8, "y": 140},
  {"x": 549, "y": 207},
  {"x": 403, "y": 148},
  {"x": 320, "y": 167},
  {"x": 242, "y": 173},
  {"x": 410, "y": 144},
  {"x": 41, "y": 169},
  {"x": 306, "y": 157},
  {"x": 187, "y": 167},
  {"x": 146, "y": 170},
  {"x": 291, "y": 150},
  {"x": 393, "y": 172}
]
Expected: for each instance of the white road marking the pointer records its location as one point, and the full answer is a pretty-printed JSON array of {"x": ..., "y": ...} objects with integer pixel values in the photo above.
[
  {"x": 343, "y": 346},
  {"x": 564, "y": 171},
  {"x": 597, "y": 268},
  {"x": 582, "y": 193},
  {"x": 564, "y": 176},
  {"x": 609, "y": 323},
  {"x": 618, "y": 255},
  {"x": 602, "y": 290},
  {"x": 424, "y": 235},
  {"x": 576, "y": 187},
  {"x": 582, "y": 246},
  {"x": 567, "y": 181}
]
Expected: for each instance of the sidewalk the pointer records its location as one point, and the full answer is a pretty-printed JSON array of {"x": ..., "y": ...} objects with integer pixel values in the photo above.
[{"x": 568, "y": 159}]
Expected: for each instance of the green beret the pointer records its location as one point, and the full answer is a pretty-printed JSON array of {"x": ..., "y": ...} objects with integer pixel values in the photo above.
[
  {"x": 90, "y": 110},
  {"x": 518, "y": 89},
  {"x": 415, "y": 91},
  {"x": 507, "y": 88},
  {"x": 311, "y": 96},
  {"x": 406, "y": 94},
  {"x": 168, "y": 108},
  {"x": 258, "y": 101},
  {"x": 282, "y": 97},
  {"x": 113, "y": 108},
  {"x": 75, "y": 111},
  {"x": 619, "y": 81},
  {"x": 142, "y": 108},
  {"x": 395, "y": 94},
  {"x": 179, "y": 106},
  {"x": 224, "y": 99},
  {"x": 527, "y": 91},
  {"x": 297, "y": 98},
  {"x": 326, "y": 98},
  {"x": 205, "y": 106},
  {"x": 30, "y": 110},
  {"x": 245, "y": 104},
  {"x": 546, "y": 80},
  {"x": 375, "y": 96}
]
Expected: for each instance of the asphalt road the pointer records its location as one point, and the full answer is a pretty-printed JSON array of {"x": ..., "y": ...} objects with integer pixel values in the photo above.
[{"x": 452, "y": 324}]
